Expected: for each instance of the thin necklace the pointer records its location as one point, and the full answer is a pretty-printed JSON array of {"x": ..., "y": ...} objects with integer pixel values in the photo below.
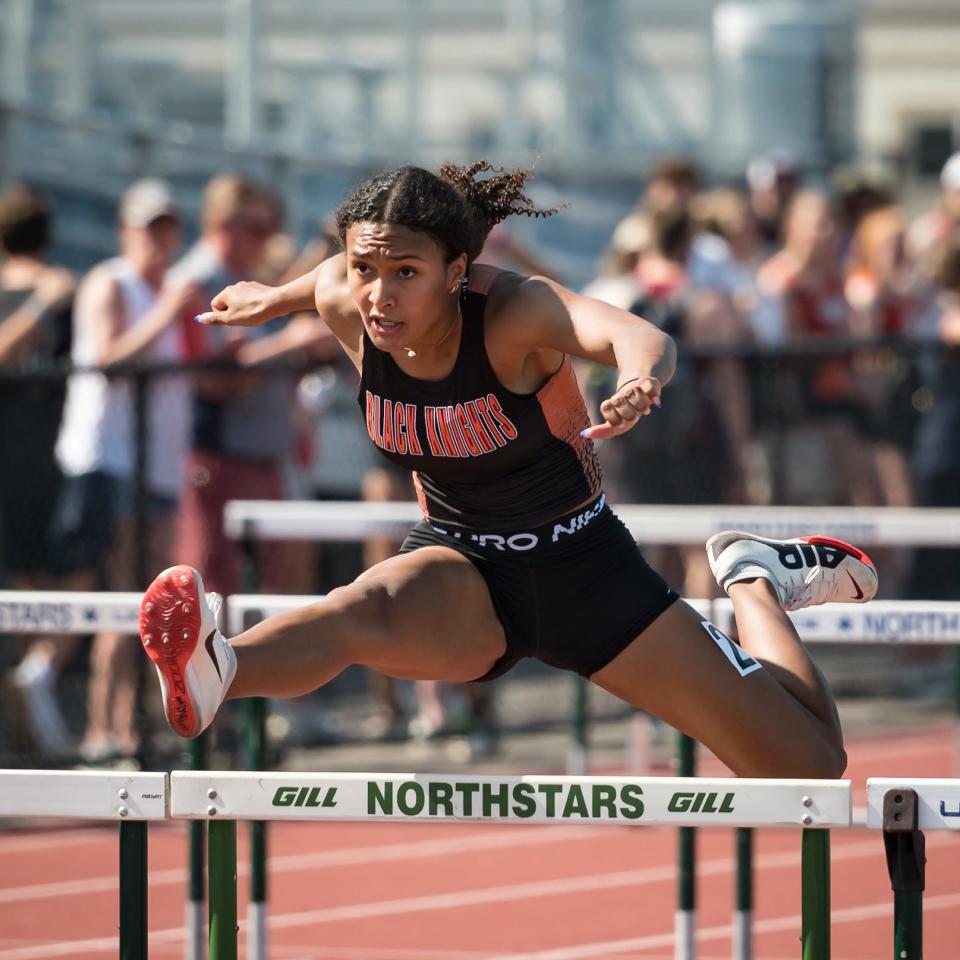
[{"x": 413, "y": 353}]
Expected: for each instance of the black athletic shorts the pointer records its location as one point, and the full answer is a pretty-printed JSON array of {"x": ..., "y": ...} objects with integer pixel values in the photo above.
[{"x": 573, "y": 593}]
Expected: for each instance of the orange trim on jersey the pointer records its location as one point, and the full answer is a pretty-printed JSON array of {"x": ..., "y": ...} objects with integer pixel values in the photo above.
[
  {"x": 421, "y": 496},
  {"x": 566, "y": 415}
]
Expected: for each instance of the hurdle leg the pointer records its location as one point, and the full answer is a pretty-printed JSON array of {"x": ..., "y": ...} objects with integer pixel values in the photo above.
[
  {"x": 257, "y": 907},
  {"x": 685, "y": 920},
  {"x": 577, "y": 750},
  {"x": 639, "y": 760},
  {"x": 197, "y": 756},
  {"x": 815, "y": 894},
  {"x": 222, "y": 870},
  {"x": 904, "y": 844},
  {"x": 743, "y": 914},
  {"x": 133, "y": 890}
]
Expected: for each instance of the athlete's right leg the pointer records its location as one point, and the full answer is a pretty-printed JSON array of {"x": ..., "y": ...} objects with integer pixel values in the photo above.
[{"x": 426, "y": 615}]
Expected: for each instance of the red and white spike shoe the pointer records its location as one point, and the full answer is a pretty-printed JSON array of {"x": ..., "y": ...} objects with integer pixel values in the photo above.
[
  {"x": 195, "y": 664},
  {"x": 804, "y": 571}
]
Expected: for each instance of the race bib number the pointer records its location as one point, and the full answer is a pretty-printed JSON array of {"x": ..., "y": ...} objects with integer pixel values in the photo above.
[{"x": 743, "y": 663}]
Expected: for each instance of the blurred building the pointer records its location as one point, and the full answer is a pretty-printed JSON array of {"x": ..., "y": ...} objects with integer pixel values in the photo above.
[{"x": 311, "y": 94}]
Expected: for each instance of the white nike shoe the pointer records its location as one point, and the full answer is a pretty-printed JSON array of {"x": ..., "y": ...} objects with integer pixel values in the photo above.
[
  {"x": 196, "y": 665},
  {"x": 804, "y": 572}
]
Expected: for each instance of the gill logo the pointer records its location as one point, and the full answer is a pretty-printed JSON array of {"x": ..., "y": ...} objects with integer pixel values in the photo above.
[
  {"x": 682, "y": 802},
  {"x": 305, "y": 797}
]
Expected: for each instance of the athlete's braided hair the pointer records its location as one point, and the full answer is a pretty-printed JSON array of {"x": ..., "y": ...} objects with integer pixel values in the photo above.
[{"x": 454, "y": 207}]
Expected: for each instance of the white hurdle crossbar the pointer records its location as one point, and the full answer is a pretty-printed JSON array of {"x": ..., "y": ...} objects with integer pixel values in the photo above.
[
  {"x": 865, "y": 526},
  {"x": 671, "y": 801},
  {"x": 68, "y": 612}
]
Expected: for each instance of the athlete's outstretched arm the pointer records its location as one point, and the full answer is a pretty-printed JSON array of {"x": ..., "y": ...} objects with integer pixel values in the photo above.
[
  {"x": 549, "y": 316},
  {"x": 251, "y": 304},
  {"x": 324, "y": 289}
]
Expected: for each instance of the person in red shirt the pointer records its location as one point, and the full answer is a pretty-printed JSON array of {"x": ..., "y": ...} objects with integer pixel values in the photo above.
[{"x": 817, "y": 395}]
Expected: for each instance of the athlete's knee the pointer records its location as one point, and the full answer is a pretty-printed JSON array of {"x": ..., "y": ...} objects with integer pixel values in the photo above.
[
  {"x": 822, "y": 759},
  {"x": 368, "y": 604},
  {"x": 835, "y": 761}
]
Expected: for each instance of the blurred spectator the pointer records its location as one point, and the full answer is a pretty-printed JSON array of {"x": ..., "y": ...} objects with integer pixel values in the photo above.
[
  {"x": 934, "y": 231},
  {"x": 243, "y": 428},
  {"x": 679, "y": 454},
  {"x": 124, "y": 313},
  {"x": 886, "y": 301},
  {"x": 504, "y": 250},
  {"x": 671, "y": 185},
  {"x": 825, "y": 459},
  {"x": 857, "y": 196},
  {"x": 35, "y": 329},
  {"x": 732, "y": 268},
  {"x": 880, "y": 287},
  {"x": 772, "y": 181},
  {"x": 936, "y": 459},
  {"x": 616, "y": 281}
]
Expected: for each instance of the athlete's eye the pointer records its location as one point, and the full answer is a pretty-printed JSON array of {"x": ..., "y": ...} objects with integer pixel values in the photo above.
[
  {"x": 361, "y": 268},
  {"x": 407, "y": 272}
]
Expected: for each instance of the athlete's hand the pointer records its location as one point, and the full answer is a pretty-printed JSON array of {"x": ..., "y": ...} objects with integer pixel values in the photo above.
[
  {"x": 634, "y": 399},
  {"x": 244, "y": 304}
]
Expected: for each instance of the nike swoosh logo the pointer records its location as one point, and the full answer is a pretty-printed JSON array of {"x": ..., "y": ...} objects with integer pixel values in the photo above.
[
  {"x": 208, "y": 643},
  {"x": 856, "y": 586}
]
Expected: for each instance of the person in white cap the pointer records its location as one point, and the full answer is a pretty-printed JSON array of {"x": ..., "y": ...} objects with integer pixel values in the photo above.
[
  {"x": 123, "y": 314},
  {"x": 934, "y": 230}
]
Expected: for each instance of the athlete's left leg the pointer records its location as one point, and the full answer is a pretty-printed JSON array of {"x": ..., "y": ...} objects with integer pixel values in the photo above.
[
  {"x": 677, "y": 670},
  {"x": 762, "y": 707}
]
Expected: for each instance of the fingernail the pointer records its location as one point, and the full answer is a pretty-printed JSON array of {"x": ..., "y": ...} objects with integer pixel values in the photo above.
[
  {"x": 198, "y": 319},
  {"x": 657, "y": 402},
  {"x": 583, "y": 432}
]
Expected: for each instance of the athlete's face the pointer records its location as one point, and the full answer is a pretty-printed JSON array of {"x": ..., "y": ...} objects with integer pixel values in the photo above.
[{"x": 402, "y": 283}]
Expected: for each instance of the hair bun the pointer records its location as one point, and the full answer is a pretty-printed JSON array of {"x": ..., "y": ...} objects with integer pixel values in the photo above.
[{"x": 496, "y": 197}]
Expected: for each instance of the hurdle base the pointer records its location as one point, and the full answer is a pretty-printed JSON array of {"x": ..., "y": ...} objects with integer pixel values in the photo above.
[
  {"x": 256, "y": 931},
  {"x": 685, "y": 930}
]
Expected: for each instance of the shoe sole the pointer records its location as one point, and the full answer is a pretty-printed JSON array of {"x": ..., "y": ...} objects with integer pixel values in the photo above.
[{"x": 170, "y": 618}]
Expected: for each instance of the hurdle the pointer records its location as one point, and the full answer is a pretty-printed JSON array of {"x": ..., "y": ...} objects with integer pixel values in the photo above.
[
  {"x": 251, "y": 520},
  {"x": 902, "y": 809},
  {"x": 82, "y": 612},
  {"x": 895, "y": 622},
  {"x": 221, "y": 799},
  {"x": 131, "y": 799}
]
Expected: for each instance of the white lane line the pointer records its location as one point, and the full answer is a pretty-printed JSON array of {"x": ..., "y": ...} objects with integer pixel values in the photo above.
[
  {"x": 582, "y": 952},
  {"x": 544, "y": 888},
  {"x": 374, "y": 953},
  {"x": 51, "y": 839},
  {"x": 871, "y": 911},
  {"x": 349, "y": 856},
  {"x": 843, "y": 851}
]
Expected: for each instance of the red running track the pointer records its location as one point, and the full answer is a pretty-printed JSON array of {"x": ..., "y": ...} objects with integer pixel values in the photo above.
[{"x": 468, "y": 892}]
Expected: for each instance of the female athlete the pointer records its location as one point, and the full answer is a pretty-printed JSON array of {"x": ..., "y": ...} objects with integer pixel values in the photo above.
[{"x": 466, "y": 380}]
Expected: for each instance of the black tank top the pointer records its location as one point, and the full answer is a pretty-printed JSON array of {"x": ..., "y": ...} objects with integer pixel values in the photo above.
[{"x": 482, "y": 456}]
